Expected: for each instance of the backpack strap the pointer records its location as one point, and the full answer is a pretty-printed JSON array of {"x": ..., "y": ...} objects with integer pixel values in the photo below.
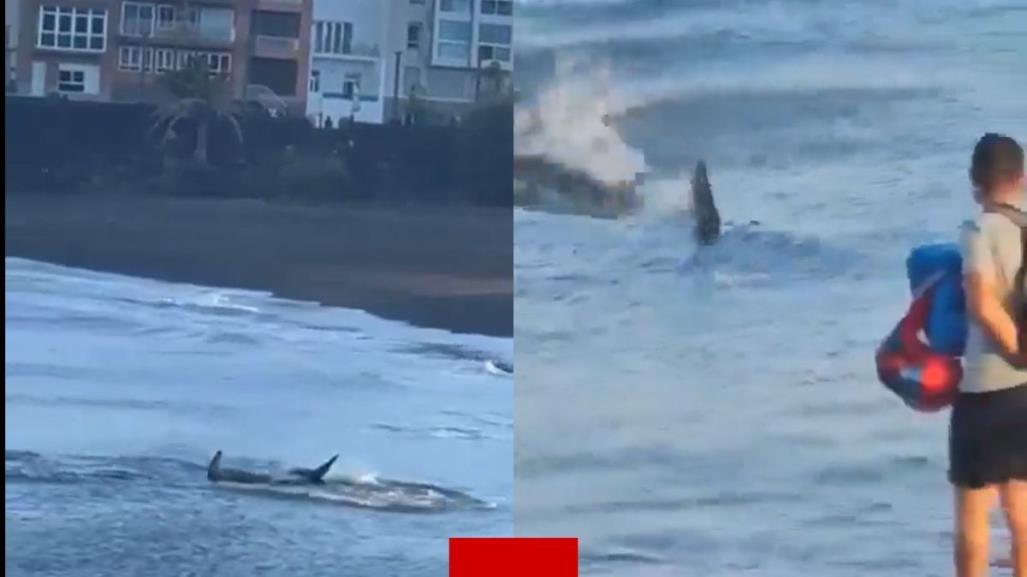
[
  {"x": 1021, "y": 281},
  {"x": 1014, "y": 214},
  {"x": 1019, "y": 218}
]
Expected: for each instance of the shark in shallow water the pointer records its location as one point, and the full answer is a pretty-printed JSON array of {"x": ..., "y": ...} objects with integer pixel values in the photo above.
[
  {"x": 299, "y": 476},
  {"x": 707, "y": 218}
]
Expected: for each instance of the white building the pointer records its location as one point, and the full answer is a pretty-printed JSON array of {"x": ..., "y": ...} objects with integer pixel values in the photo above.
[
  {"x": 469, "y": 36},
  {"x": 368, "y": 56},
  {"x": 347, "y": 74}
]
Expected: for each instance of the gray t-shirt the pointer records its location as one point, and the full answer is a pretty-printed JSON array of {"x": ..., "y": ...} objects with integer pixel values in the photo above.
[{"x": 992, "y": 248}]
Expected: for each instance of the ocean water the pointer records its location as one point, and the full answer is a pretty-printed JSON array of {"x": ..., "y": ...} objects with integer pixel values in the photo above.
[
  {"x": 119, "y": 390},
  {"x": 716, "y": 412}
]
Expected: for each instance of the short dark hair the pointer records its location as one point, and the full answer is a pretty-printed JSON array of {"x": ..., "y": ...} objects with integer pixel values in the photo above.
[{"x": 997, "y": 159}]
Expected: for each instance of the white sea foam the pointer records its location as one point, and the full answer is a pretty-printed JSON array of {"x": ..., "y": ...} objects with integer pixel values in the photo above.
[{"x": 568, "y": 123}]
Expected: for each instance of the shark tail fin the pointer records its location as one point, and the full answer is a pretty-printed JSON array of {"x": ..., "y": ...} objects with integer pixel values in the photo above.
[
  {"x": 319, "y": 473},
  {"x": 214, "y": 468}
]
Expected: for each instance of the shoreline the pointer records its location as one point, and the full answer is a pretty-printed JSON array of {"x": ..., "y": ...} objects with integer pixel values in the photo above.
[{"x": 447, "y": 268}]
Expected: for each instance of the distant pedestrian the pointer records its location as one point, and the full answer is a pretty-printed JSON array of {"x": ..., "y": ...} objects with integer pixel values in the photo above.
[
  {"x": 354, "y": 105},
  {"x": 413, "y": 110},
  {"x": 328, "y": 123}
]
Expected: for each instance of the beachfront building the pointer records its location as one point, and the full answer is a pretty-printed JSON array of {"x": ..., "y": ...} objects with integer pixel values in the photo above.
[
  {"x": 347, "y": 67},
  {"x": 395, "y": 60},
  {"x": 116, "y": 50},
  {"x": 471, "y": 35},
  {"x": 11, "y": 8},
  {"x": 464, "y": 44}
]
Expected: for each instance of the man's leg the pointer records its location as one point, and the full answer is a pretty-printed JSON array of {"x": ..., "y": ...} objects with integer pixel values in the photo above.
[
  {"x": 971, "y": 531},
  {"x": 1014, "y": 503}
]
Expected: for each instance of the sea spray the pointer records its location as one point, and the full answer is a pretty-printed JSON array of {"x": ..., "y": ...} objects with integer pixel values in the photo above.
[
  {"x": 569, "y": 123},
  {"x": 573, "y": 123}
]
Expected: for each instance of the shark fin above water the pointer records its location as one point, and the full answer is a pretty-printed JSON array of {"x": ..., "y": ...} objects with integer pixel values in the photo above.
[
  {"x": 315, "y": 475},
  {"x": 215, "y": 472}
]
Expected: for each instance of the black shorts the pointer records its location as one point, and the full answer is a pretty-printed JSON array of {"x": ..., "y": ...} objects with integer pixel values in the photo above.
[{"x": 988, "y": 438}]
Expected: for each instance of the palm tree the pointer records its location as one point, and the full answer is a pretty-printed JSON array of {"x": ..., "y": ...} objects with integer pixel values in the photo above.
[{"x": 200, "y": 100}]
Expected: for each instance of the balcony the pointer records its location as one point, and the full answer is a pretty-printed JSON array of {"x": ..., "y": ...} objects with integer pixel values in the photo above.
[
  {"x": 276, "y": 47},
  {"x": 194, "y": 36},
  {"x": 280, "y": 5},
  {"x": 359, "y": 52}
]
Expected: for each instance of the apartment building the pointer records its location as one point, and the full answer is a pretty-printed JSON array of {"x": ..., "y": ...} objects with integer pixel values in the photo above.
[
  {"x": 448, "y": 47},
  {"x": 347, "y": 70},
  {"x": 11, "y": 15},
  {"x": 117, "y": 49},
  {"x": 370, "y": 57},
  {"x": 277, "y": 63}
]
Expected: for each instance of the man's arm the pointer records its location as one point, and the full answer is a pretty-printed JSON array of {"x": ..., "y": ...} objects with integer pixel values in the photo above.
[{"x": 987, "y": 310}]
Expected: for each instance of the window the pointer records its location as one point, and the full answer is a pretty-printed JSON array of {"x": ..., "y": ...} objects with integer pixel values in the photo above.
[
  {"x": 280, "y": 75},
  {"x": 165, "y": 59},
  {"x": 75, "y": 78},
  {"x": 454, "y": 40},
  {"x": 494, "y": 42},
  {"x": 184, "y": 59},
  {"x": 135, "y": 58},
  {"x": 219, "y": 63},
  {"x": 351, "y": 85},
  {"x": 488, "y": 53},
  {"x": 414, "y": 36},
  {"x": 497, "y": 7},
  {"x": 137, "y": 19},
  {"x": 70, "y": 80},
  {"x": 215, "y": 23},
  {"x": 333, "y": 37},
  {"x": 216, "y": 62},
  {"x": 495, "y": 34},
  {"x": 453, "y": 51},
  {"x": 455, "y": 5},
  {"x": 454, "y": 31},
  {"x": 128, "y": 58},
  {"x": 72, "y": 29},
  {"x": 320, "y": 36},
  {"x": 315, "y": 81},
  {"x": 165, "y": 17},
  {"x": 276, "y": 24}
]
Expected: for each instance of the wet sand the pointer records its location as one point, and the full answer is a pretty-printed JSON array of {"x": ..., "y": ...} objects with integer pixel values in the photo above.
[{"x": 439, "y": 267}]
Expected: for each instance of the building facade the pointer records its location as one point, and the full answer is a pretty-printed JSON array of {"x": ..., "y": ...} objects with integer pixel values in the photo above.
[
  {"x": 347, "y": 68},
  {"x": 117, "y": 49},
  {"x": 11, "y": 25},
  {"x": 378, "y": 60},
  {"x": 462, "y": 43}
]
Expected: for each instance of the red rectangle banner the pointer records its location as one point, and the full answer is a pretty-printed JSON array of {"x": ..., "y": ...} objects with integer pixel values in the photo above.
[{"x": 513, "y": 557}]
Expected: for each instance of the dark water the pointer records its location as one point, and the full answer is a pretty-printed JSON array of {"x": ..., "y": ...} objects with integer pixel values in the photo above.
[
  {"x": 716, "y": 412},
  {"x": 119, "y": 390}
]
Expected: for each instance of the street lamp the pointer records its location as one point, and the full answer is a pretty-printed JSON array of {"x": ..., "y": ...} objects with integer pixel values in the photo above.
[{"x": 395, "y": 84}]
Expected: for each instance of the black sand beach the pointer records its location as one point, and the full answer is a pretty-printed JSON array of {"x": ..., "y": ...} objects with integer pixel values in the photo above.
[{"x": 440, "y": 267}]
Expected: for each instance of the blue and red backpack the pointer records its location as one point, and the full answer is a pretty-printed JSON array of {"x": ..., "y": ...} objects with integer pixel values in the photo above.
[{"x": 924, "y": 371}]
